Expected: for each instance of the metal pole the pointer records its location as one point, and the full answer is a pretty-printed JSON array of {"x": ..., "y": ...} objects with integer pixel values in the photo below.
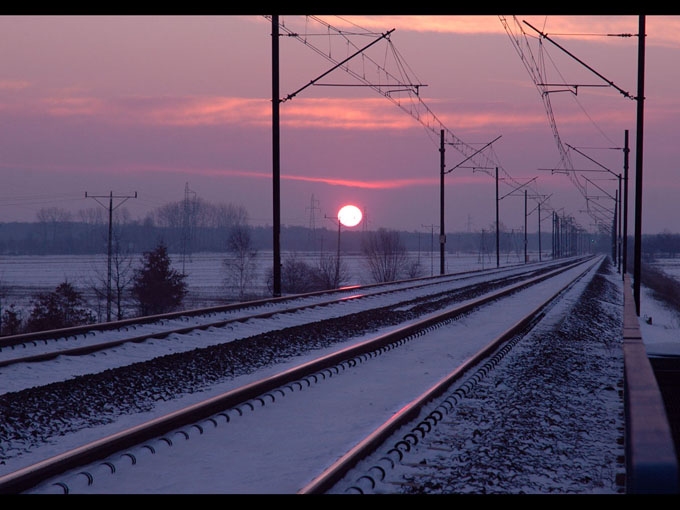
[
  {"x": 620, "y": 215},
  {"x": 498, "y": 256},
  {"x": 525, "y": 227},
  {"x": 110, "y": 243},
  {"x": 614, "y": 243},
  {"x": 638, "y": 162},
  {"x": 539, "y": 232},
  {"x": 276, "y": 158},
  {"x": 432, "y": 250},
  {"x": 442, "y": 235},
  {"x": 553, "y": 235},
  {"x": 626, "y": 152},
  {"x": 337, "y": 261},
  {"x": 108, "y": 282}
]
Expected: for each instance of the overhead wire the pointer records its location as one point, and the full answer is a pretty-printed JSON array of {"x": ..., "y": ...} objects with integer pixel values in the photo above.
[
  {"x": 538, "y": 74},
  {"x": 415, "y": 106},
  {"x": 575, "y": 98}
]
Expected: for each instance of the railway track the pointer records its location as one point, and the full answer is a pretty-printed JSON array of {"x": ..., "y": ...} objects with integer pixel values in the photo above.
[
  {"x": 83, "y": 340},
  {"x": 285, "y": 398}
]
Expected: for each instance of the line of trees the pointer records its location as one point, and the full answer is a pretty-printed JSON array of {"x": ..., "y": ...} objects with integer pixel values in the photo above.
[
  {"x": 150, "y": 286},
  {"x": 196, "y": 225},
  {"x": 154, "y": 287},
  {"x": 184, "y": 226}
]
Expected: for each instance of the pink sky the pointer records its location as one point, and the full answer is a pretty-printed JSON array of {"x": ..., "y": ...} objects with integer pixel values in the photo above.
[{"x": 147, "y": 104}]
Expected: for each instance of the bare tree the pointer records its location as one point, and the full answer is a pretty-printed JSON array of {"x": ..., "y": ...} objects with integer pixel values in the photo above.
[
  {"x": 331, "y": 272},
  {"x": 122, "y": 268},
  {"x": 122, "y": 275},
  {"x": 385, "y": 254},
  {"x": 240, "y": 264},
  {"x": 10, "y": 318},
  {"x": 91, "y": 216},
  {"x": 297, "y": 276},
  {"x": 51, "y": 219},
  {"x": 195, "y": 222},
  {"x": 413, "y": 269}
]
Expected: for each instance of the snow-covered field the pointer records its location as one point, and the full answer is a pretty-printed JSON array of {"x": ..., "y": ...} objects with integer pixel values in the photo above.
[
  {"x": 25, "y": 274},
  {"x": 660, "y": 325},
  {"x": 670, "y": 266},
  {"x": 22, "y": 277}
]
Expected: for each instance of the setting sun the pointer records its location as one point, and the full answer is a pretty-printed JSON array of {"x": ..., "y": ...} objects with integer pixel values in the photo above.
[{"x": 349, "y": 215}]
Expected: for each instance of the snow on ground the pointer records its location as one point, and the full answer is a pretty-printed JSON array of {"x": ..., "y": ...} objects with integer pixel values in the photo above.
[
  {"x": 572, "y": 437},
  {"x": 547, "y": 419},
  {"x": 659, "y": 325},
  {"x": 25, "y": 275},
  {"x": 242, "y": 456},
  {"x": 670, "y": 266},
  {"x": 17, "y": 377}
]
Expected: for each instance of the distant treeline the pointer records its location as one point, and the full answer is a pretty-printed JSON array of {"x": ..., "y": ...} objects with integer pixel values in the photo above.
[
  {"x": 75, "y": 238},
  {"x": 199, "y": 226},
  {"x": 660, "y": 245}
]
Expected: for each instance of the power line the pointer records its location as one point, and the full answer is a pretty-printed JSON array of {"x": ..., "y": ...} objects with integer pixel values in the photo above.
[
  {"x": 397, "y": 86},
  {"x": 111, "y": 208}
]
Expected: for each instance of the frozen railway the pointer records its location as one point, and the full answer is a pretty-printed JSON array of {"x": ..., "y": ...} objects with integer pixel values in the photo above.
[
  {"x": 187, "y": 330},
  {"x": 338, "y": 412}
]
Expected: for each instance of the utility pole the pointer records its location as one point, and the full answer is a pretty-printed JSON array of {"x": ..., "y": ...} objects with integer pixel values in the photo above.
[
  {"x": 541, "y": 199},
  {"x": 431, "y": 227},
  {"x": 554, "y": 253},
  {"x": 442, "y": 234},
  {"x": 539, "y": 232},
  {"x": 618, "y": 245},
  {"x": 186, "y": 226},
  {"x": 276, "y": 159},
  {"x": 498, "y": 243},
  {"x": 441, "y": 185},
  {"x": 614, "y": 241},
  {"x": 337, "y": 260},
  {"x": 626, "y": 152},
  {"x": 640, "y": 98},
  {"x": 498, "y": 199},
  {"x": 638, "y": 162},
  {"x": 276, "y": 156},
  {"x": 110, "y": 207},
  {"x": 526, "y": 258},
  {"x": 311, "y": 234}
]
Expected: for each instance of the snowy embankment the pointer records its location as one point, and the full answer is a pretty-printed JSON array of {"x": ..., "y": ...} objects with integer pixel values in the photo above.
[{"x": 547, "y": 419}]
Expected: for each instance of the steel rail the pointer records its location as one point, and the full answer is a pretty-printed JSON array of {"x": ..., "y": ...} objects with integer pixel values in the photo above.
[
  {"x": 334, "y": 473},
  {"x": 89, "y": 349},
  {"x": 22, "y": 338},
  {"x": 31, "y": 476}
]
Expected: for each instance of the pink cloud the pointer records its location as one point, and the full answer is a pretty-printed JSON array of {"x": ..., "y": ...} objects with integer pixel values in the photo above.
[
  {"x": 320, "y": 113},
  {"x": 10, "y": 85},
  {"x": 661, "y": 30},
  {"x": 331, "y": 181}
]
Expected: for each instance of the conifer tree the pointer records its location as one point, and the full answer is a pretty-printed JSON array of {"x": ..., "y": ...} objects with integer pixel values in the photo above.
[
  {"x": 157, "y": 288},
  {"x": 62, "y": 308}
]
